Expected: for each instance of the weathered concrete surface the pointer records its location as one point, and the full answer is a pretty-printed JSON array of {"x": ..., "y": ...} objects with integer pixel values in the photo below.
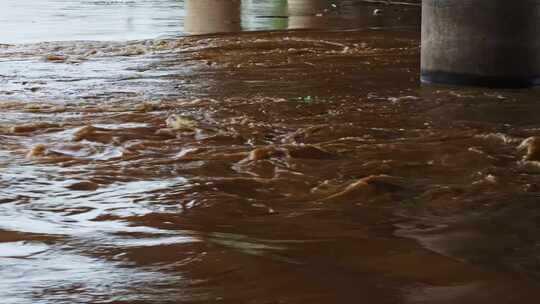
[{"x": 482, "y": 42}]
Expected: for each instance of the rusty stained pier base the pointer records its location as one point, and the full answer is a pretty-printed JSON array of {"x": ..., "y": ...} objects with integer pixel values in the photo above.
[{"x": 493, "y": 43}]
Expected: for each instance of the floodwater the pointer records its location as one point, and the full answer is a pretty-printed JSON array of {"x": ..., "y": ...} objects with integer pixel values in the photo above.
[
  {"x": 30, "y": 21},
  {"x": 300, "y": 162}
]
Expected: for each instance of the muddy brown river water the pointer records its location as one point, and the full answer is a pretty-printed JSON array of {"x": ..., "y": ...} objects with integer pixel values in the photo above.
[{"x": 279, "y": 166}]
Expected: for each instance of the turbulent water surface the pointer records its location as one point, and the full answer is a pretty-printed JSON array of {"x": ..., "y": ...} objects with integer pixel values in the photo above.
[{"x": 281, "y": 166}]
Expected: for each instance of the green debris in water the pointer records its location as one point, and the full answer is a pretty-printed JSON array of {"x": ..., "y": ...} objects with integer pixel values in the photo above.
[{"x": 307, "y": 99}]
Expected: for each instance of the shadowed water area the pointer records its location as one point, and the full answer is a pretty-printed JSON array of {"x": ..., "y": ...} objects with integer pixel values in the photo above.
[{"x": 292, "y": 157}]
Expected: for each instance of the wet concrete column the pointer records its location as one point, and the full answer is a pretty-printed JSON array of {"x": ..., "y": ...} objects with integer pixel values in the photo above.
[
  {"x": 212, "y": 16},
  {"x": 493, "y": 43}
]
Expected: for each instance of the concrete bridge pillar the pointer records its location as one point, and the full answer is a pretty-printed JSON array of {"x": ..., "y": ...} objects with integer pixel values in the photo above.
[
  {"x": 493, "y": 43},
  {"x": 212, "y": 16}
]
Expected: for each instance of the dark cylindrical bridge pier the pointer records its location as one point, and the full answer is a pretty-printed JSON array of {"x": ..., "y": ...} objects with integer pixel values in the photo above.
[{"x": 493, "y": 43}]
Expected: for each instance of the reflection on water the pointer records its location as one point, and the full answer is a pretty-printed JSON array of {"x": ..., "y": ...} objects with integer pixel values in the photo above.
[
  {"x": 63, "y": 20},
  {"x": 311, "y": 14},
  {"x": 268, "y": 167},
  {"x": 51, "y": 20},
  {"x": 323, "y": 14}
]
